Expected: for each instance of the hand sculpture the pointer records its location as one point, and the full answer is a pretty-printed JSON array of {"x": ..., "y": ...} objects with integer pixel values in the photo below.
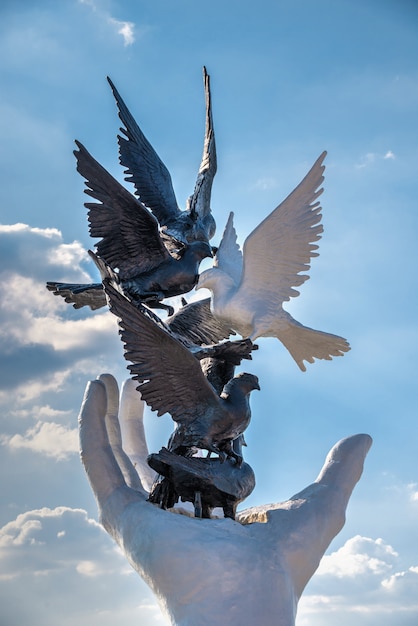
[{"x": 210, "y": 571}]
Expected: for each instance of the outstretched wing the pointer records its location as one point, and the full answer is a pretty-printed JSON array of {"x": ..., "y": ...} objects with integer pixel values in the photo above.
[
  {"x": 196, "y": 324},
  {"x": 228, "y": 257},
  {"x": 144, "y": 167},
  {"x": 282, "y": 246},
  {"x": 200, "y": 200},
  {"x": 172, "y": 379},
  {"x": 130, "y": 237},
  {"x": 79, "y": 295}
]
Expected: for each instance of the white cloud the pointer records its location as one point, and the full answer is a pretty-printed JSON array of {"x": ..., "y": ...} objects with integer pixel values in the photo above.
[
  {"x": 61, "y": 559},
  {"x": 414, "y": 493},
  {"x": 88, "y": 568},
  {"x": 68, "y": 334},
  {"x": 35, "y": 252},
  {"x": 358, "y": 556},
  {"x": 61, "y": 535},
  {"x": 362, "y": 581},
  {"x": 371, "y": 157},
  {"x": 126, "y": 29},
  {"x": 47, "y": 438},
  {"x": 31, "y": 315},
  {"x": 46, "y": 412},
  {"x": 30, "y": 390},
  {"x": 45, "y": 343},
  {"x": 402, "y": 581},
  {"x": 49, "y": 233}
]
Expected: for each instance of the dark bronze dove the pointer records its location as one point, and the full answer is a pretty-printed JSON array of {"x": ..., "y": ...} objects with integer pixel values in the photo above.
[
  {"x": 131, "y": 243},
  {"x": 172, "y": 381},
  {"x": 152, "y": 179}
]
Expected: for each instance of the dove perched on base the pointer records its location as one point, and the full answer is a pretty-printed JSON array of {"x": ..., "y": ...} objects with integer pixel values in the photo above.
[{"x": 249, "y": 288}]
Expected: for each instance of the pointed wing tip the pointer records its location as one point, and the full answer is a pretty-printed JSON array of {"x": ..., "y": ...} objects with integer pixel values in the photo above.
[
  {"x": 79, "y": 146},
  {"x": 321, "y": 159},
  {"x": 112, "y": 86}
]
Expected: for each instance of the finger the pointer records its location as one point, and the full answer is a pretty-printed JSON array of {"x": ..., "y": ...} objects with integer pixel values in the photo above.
[
  {"x": 133, "y": 432},
  {"x": 99, "y": 462},
  {"x": 304, "y": 526},
  {"x": 328, "y": 496},
  {"x": 344, "y": 464},
  {"x": 114, "y": 433},
  {"x": 112, "y": 395},
  {"x": 112, "y": 392}
]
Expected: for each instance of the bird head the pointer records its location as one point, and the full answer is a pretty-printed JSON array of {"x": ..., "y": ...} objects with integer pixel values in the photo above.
[
  {"x": 248, "y": 382},
  {"x": 200, "y": 249},
  {"x": 216, "y": 280},
  {"x": 206, "y": 279}
]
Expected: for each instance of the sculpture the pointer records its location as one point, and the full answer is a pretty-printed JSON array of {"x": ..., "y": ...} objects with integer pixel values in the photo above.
[
  {"x": 131, "y": 242},
  {"x": 207, "y": 483},
  {"x": 249, "y": 288},
  {"x": 244, "y": 572},
  {"x": 250, "y": 567},
  {"x": 172, "y": 382},
  {"x": 153, "y": 183}
]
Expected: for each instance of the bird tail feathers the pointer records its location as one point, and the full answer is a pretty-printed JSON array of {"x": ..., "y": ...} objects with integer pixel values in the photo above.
[{"x": 307, "y": 344}]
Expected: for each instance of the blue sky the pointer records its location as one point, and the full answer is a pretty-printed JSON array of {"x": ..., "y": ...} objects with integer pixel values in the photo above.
[{"x": 289, "y": 80}]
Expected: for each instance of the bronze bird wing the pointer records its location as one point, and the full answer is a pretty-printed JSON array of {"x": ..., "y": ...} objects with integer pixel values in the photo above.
[
  {"x": 199, "y": 202},
  {"x": 130, "y": 239},
  {"x": 79, "y": 295},
  {"x": 172, "y": 379},
  {"x": 144, "y": 167},
  {"x": 196, "y": 324},
  {"x": 281, "y": 247}
]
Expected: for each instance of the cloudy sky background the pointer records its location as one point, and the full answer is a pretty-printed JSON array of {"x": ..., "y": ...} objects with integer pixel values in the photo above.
[{"x": 290, "y": 78}]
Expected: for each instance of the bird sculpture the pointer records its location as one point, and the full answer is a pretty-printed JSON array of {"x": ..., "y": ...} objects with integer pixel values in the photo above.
[
  {"x": 207, "y": 483},
  {"x": 132, "y": 244},
  {"x": 152, "y": 179},
  {"x": 249, "y": 288},
  {"x": 197, "y": 329},
  {"x": 172, "y": 381}
]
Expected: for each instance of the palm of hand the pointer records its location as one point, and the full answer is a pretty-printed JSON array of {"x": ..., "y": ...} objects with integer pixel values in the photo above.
[{"x": 219, "y": 571}]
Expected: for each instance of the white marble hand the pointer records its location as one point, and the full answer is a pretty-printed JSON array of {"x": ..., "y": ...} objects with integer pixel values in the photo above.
[{"x": 211, "y": 571}]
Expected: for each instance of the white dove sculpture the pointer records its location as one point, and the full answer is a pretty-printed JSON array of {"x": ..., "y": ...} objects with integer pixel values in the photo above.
[{"x": 249, "y": 288}]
